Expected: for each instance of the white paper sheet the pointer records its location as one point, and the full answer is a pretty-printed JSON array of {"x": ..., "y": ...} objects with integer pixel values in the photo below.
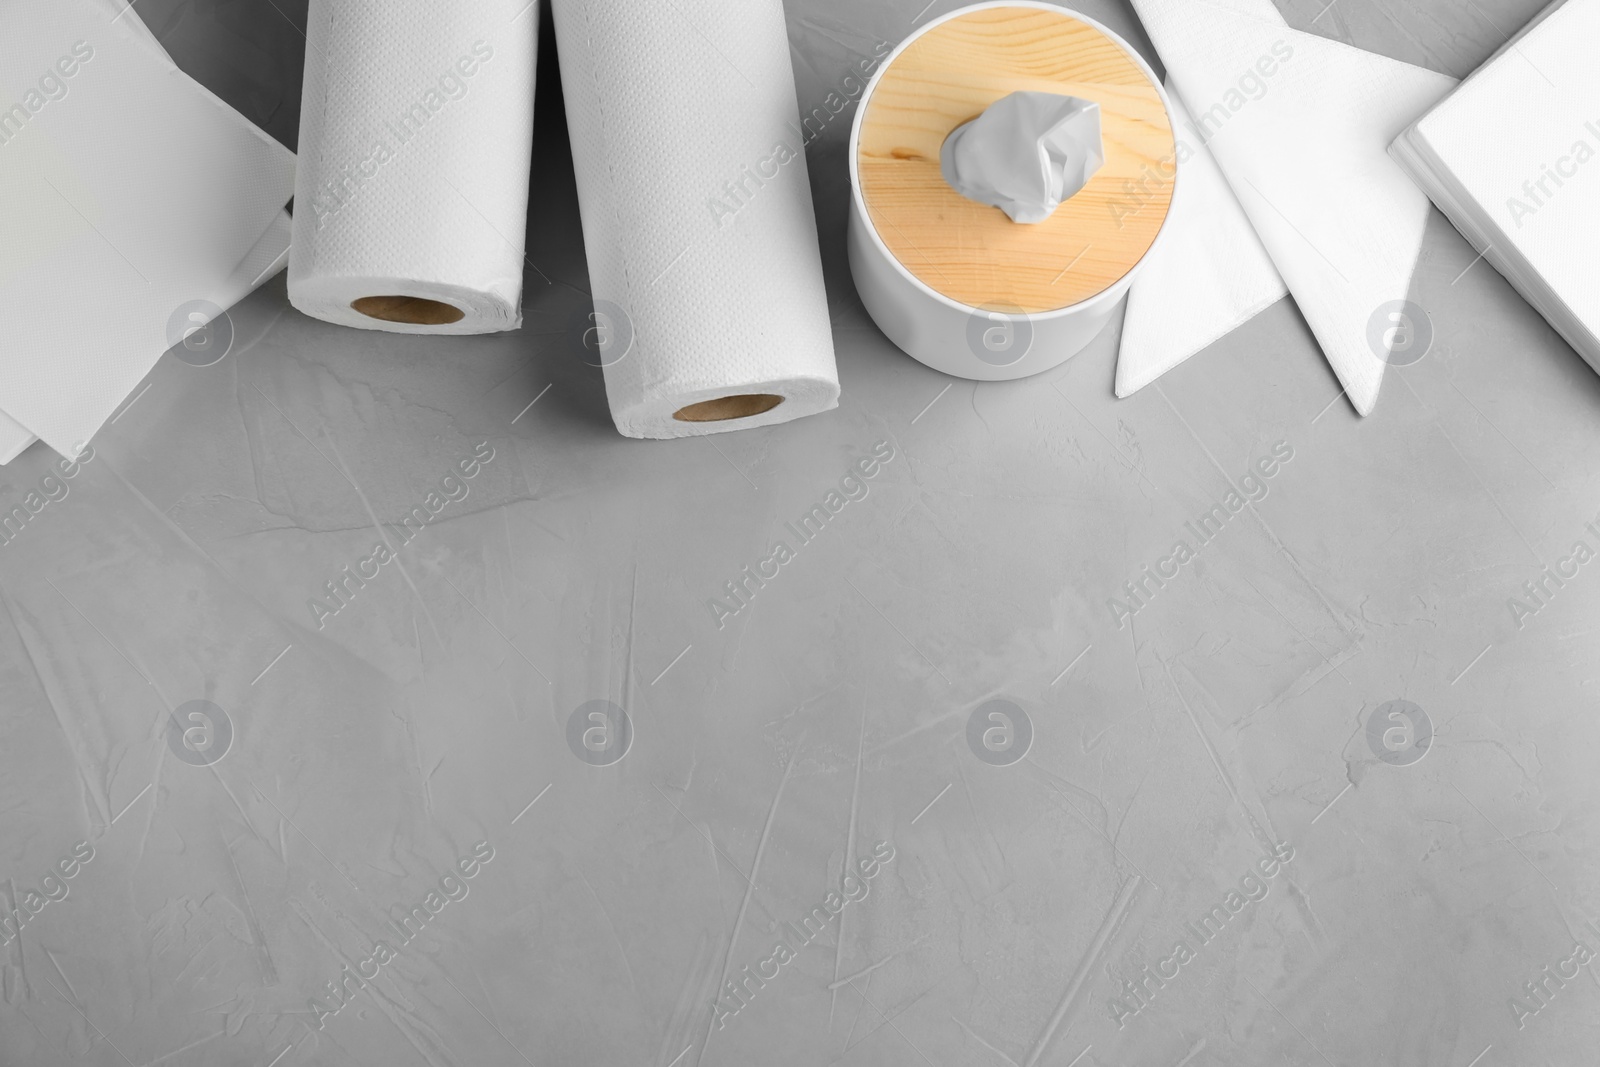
[
  {"x": 1300, "y": 126},
  {"x": 143, "y": 192},
  {"x": 269, "y": 255},
  {"x": 264, "y": 261}
]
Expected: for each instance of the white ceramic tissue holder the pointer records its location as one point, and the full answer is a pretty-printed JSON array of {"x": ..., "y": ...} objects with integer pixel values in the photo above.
[{"x": 954, "y": 281}]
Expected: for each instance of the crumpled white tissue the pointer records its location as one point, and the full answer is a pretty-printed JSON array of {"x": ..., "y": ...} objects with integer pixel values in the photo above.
[
  {"x": 1025, "y": 154},
  {"x": 1300, "y": 127}
]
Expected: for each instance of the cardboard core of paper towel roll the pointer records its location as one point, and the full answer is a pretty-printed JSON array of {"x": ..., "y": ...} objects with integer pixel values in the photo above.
[
  {"x": 419, "y": 311},
  {"x": 971, "y": 252},
  {"x": 723, "y": 408}
]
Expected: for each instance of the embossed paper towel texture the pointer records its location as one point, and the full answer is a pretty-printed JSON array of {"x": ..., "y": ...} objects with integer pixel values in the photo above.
[
  {"x": 1305, "y": 151},
  {"x": 696, "y": 208}
]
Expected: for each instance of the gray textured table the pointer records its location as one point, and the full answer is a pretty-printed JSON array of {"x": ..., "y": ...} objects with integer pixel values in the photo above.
[{"x": 1224, "y": 769}]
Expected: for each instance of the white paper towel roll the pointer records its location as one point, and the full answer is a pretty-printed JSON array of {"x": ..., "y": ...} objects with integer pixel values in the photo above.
[
  {"x": 416, "y": 133},
  {"x": 697, "y": 214}
]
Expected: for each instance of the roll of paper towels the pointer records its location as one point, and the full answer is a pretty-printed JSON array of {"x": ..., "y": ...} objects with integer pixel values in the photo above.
[
  {"x": 709, "y": 307},
  {"x": 416, "y": 134}
]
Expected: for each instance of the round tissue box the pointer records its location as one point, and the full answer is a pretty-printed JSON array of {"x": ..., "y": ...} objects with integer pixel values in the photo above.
[{"x": 956, "y": 283}]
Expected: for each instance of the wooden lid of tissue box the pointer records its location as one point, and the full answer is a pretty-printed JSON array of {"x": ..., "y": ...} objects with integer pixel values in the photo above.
[{"x": 971, "y": 252}]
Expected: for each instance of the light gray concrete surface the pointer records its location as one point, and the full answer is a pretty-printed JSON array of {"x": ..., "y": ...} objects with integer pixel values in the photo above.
[{"x": 1170, "y": 754}]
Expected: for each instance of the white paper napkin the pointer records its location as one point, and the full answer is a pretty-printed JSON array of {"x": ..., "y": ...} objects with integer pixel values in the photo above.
[
  {"x": 1300, "y": 127},
  {"x": 1208, "y": 275},
  {"x": 143, "y": 192}
]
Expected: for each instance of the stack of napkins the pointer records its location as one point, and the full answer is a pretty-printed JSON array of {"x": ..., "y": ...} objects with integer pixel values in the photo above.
[
  {"x": 1513, "y": 158},
  {"x": 130, "y": 195}
]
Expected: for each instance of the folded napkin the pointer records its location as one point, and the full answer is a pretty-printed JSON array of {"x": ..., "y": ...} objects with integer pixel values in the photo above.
[
  {"x": 14, "y": 437},
  {"x": 1299, "y": 126},
  {"x": 1206, "y": 276},
  {"x": 135, "y": 193}
]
